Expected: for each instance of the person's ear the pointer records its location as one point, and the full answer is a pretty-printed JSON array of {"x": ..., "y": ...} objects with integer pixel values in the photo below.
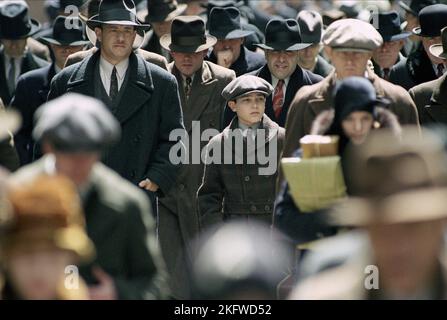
[
  {"x": 232, "y": 105},
  {"x": 98, "y": 32}
]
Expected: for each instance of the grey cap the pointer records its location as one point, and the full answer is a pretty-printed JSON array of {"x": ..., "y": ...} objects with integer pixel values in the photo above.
[
  {"x": 311, "y": 26},
  {"x": 352, "y": 35},
  {"x": 246, "y": 84},
  {"x": 75, "y": 122}
]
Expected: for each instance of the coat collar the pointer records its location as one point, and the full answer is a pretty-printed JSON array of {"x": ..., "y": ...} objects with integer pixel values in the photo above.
[
  {"x": 138, "y": 91},
  {"x": 439, "y": 95}
]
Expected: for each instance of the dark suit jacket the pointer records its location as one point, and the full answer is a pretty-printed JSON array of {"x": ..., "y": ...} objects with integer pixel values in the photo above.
[
  {"x": 431, "y": 101},
  {"x": 379, "y": 71},
  {"x": 248, "y": 61},
  {"x": 31, "y": 92},
  {"x": 29, "y": 62},
  {"x": 148, "y": 112},
  {"x": 120, "y": 224}
]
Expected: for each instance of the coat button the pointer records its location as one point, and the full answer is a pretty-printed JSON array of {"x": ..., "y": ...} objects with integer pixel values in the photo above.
[
  {"x": 267, "y": 208},
  {"x": 253, "y": 208},
  {"x": 181, "y": 187},
  {"x": 247, "y": 178}
]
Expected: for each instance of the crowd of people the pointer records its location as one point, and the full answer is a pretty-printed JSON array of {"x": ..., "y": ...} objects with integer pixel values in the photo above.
[{"x": 163, "y": 149}]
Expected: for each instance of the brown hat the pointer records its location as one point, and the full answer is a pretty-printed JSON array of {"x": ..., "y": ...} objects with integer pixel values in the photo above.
[
  {"x": 396, "y": 179},
  {"x": 47, "y": 213}
]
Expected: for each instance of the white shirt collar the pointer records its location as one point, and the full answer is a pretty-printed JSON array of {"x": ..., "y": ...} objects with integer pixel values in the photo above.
[
  {"x": 121, "y": 67},
  {"x": 275, "y": 81}
]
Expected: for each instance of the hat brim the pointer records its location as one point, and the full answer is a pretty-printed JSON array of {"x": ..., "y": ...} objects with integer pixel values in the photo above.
[
  {"x": 266, "y": 94},
  {"x": 166, "y": 43},
  {"x": 438, "y": 51},
  {"x": 10, "y": 122},
  {"x": 235, "y": 34},
  {"x": 35, "y": 27},
  {"x": 67, "y": 44},
  {"x": 93, "y": 23},
  {"x": 418, "y": 31},
  {"x": 406, "y": 207},
  {"x": 344, "y": 49},
  {"x": 137, "y": 43},
  {"x": 400, "y": 36},
  {"x": 143, "y": 15},
  {"x": 284, "y": 47}
]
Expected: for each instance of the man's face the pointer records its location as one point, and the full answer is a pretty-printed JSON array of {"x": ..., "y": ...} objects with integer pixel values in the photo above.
[
  {"x": 406, "y": 254},
  {"x": 307, "y": 56},
  {"x": 14, "y": 48},
  {"x": 76, "y": 166},
  {"x": 348, "y": 63},
  {"x": 62, "y": 52},
  {"x": 188, "y": 63},
  {"x": 429, "y": 41},
  {"x": 386, "y": 56},
  {"x": 116, "y": 41},
  {"x": 249, "y": 108},
  {"x": 232, "y": 46},
  {"x": 281, "y": 63},
  {"x": 162, "y": 28}
]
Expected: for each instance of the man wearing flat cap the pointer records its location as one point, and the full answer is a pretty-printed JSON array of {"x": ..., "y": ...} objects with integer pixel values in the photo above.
[
  {"x": 349, "y": 44},
  {"x": 431, "y": 97},
  {"x": 74, "y": 130},
  {"x": 200, "y": 83},
  {"x": 401, "y": 187},
  {"x": 421, "y": 66},
  {"x": 15, "y": 59},
  {"x": 33, "y": 87},
  {"x": 244, "y": 188},
  {"x": 283, "y": 43},
  {"x": 311, "y": 27},
  {"x": 143, "y": 97},
  {"x": 388, "y": 54},
  {"x": 229, "y": 50}
]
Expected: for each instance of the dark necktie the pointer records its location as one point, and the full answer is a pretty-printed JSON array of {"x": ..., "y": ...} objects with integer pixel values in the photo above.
[
  {"x": 278, "y": 98},
  {"x": 113, "y": 85},
  {"x": 12, "y": 76},
  {"x": 386, "y": 74},
  {"x": 440, "y": 70},
  {"x": 188, "y": 87}
]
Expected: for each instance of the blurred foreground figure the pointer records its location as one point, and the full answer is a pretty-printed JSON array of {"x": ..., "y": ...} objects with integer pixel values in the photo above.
[
  {"x": 402, "y": 190},
  {"x": 43, "y": 234},
  {"x": 238, "y": 261}
]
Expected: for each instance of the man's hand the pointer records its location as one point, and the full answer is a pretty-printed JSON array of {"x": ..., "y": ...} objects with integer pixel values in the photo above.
[
  {"x": 105, "y": 290},
  {"x": 148, "y": 185},
  {"x": 225, "y": 58}
]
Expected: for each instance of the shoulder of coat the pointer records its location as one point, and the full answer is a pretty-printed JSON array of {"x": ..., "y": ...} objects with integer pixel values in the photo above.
[{"x": 219, "y": 71}]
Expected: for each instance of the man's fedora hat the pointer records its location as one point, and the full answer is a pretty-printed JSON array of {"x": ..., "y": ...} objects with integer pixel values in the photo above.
[
  {"x": 390, "y": 26},
  {"x": 311, "y": 26},
  {"x": 416, "y": 5},
  {"x": 225, "y": 23},
  {"x": 440, "y": 50},
  {"x": 63, "y": 36},
  {"x": 120, "y": 12},
  {"x": 396, "y": 179},
  {"x": 283, "y": 34},
  {"x": 15, "y": 22},
  {"x": 187, "y": 35},
  {"x": 162, "y": 10},
  {"x": 432, "y": 19}
]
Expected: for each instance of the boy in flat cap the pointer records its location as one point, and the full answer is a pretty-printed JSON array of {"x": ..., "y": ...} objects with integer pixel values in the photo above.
[
  {"x": 201, "y": 83},
  {"x": 74, "y": 131},
  {"x": 349, "y": 44},
  {"x": 237, "y": 183}
]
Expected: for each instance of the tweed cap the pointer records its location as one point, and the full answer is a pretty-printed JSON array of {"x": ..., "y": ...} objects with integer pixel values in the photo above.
[
  {"x": 74, "y": 123},
  {"x": 246, "y": 84},
  {"x": 352, "y": 35}
]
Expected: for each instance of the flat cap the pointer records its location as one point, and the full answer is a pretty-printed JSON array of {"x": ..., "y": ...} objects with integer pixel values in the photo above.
[
  {"x": 352, "y": 35},
  {"x": 75, "y": 122},
  {"x": 246, "y": 84}
]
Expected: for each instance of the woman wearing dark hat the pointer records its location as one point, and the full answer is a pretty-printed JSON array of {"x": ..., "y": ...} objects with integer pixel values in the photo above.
[
  {"x": 44, "y": 232},
  {"x": 357, "y": 112},
  {"x": 32, "y": 87}
]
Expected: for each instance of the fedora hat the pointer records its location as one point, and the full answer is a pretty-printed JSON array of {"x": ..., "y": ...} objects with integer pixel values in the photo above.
[
  {"x": 120, "y": 12},
  {"x": 225, "y": 23},
  {"x": 46, "y": 213},
  {"x": 396, "y": 179},
  {"x": 15, "y": 22},
  {"x": 432, "y": 19},
  {"x": 440, "y": 50},
  {"x": 311, "y": 26},
  {"x": 187, "y": 35},
  {"x": 416, "y": 5},
  {"x": 390, "y": 26},
  {"x": 283, "y": 34},
  {"x": 63, "y": 36},
  {"x": 161, "y": 10}
]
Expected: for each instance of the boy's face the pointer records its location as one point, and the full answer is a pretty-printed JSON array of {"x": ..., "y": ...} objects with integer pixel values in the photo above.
[{"x": 249, "y": 108}]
